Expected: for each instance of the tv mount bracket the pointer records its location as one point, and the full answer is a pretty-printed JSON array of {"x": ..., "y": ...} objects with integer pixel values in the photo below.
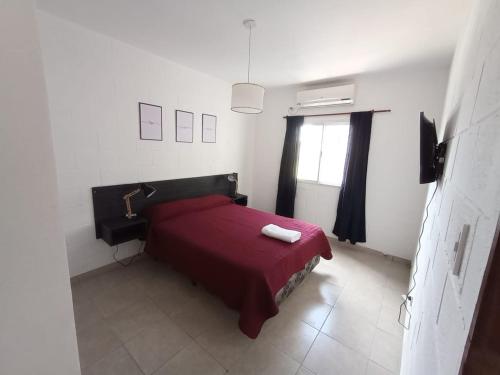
[{"x": 439, "y": 159}]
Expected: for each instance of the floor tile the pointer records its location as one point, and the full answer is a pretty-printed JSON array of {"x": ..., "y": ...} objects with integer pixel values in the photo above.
[
  {"x": 118, "y": 362},
  {"x": 129, "y": 321},
  {"x": 151, "y": 319},
  {"x": 114, "y": 278},
  {"x": 391, "y": 298},
  {"x": 375, "y": 369},
  {"x": 292, "y": 337},
  {"x": 371, "y": 260},
  {"x": 366, "y": 285},
  {"x": 86, "y": 313},
  {"x": 350, "y": 329},
  {"x": 366, "y": 305},
  {"x": 331, "y": 273},
  {"x": 388, "y": 321},
  {"x": 398, "y": 277},
  {"x": 95, "y": 342},
  {"x": 192, "y": 360},
  {"x": 172, "y": 292},
  {"x": 305, "y": 371},
  {"x": 155, "y": 345},
  {"x": 111, "y": 300},
  {"x": 85, "y": 289},
  {"x": 172, "y": 301},
  {"x": 263, "y": 359},
  {"x": 386, "y": 351},
  {"x": 328, "y": 356},
  {"x": 203, "y": 314},
  {"x": 309, "y": 309},
  {"x": 322, "y": 291},
  {"x": 343, "y": 255},
  {"x": 169, "y": 281},
  {"x": 228, "y": 345},
  {"x": 146, "y": 267}
]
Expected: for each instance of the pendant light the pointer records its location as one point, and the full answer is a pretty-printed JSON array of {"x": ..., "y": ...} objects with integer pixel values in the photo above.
[{"x": 248, "y": 97}]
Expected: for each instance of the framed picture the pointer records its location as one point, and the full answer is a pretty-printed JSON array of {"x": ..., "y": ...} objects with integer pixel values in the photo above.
[
  {"x": 184, "y": 126},
  {"x": 150, "y": 122},
  {"x": 209, "y": 128}
]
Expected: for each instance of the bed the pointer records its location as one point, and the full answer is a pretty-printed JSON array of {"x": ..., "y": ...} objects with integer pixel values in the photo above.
[{"x": 219, "y": 244}]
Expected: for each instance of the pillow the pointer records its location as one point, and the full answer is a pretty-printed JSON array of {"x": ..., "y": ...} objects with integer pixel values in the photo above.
[{"x": 167, "y": 210}]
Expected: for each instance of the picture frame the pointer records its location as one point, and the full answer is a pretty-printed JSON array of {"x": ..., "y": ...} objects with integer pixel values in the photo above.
[
  {"x": 150, "y": 122},
  {"x": 184, "y": 126},
  {"x": 208, "y": 128}
]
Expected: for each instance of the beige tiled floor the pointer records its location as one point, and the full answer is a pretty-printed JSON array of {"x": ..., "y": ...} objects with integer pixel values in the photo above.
[{"x": 148, "y": 319}]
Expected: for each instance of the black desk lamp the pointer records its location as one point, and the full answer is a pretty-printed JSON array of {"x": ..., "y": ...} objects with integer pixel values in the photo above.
[{"x": 146, "y": 189}]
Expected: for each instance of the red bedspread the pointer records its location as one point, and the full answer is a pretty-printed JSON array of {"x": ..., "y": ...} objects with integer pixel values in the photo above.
[{"x": 220, "y": 245}]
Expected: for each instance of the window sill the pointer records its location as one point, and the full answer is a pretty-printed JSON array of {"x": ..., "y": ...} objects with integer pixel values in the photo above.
[{"x": 317, "y": 183}]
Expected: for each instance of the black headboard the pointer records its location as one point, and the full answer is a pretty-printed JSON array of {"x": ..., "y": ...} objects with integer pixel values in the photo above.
[{"x": 108, "y": 200}]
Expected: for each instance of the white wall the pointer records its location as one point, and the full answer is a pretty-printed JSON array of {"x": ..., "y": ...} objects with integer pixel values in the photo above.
[
  {"x": 94, "y": 84},
  {"x": 37, "y": 330},
  {"x": 469, "y": 194},
  {"x": 394, "y": 197}
]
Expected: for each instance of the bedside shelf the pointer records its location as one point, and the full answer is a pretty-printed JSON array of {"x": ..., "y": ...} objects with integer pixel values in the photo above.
[
  {"x": 120, "y": 230},
  {"x": 241, "y": 199}
]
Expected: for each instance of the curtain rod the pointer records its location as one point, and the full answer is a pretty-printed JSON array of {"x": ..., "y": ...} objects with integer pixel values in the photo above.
[{"x": 342, "y": 113}]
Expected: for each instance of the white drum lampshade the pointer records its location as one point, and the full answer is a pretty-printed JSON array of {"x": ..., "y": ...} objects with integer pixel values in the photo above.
[{"x": 247, "y": 98}]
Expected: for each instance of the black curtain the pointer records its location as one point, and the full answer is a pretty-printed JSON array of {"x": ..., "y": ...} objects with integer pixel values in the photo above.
[
  {"x": 350, "y": 222},
  {"x": 287, "y": 183}
]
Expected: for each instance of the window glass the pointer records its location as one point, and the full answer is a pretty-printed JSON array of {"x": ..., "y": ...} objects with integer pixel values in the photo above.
[
  {"x": 309, "y": 152},
  {"x": 322, "y": 153},
  {"x": 334, "y": 150}
]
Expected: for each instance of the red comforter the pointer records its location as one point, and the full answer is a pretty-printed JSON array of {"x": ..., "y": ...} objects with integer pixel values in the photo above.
[{"x": 220, "y": 245}]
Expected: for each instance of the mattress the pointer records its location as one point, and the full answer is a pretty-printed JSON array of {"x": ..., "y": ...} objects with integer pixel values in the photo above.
[{"x": 219, "y": 244}]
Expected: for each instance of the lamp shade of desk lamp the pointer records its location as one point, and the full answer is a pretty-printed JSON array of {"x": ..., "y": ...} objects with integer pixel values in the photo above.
[{"x": 147, "y": 190}]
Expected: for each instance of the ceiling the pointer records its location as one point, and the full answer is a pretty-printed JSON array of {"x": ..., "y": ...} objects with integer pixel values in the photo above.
[{"x": 295, "y": 41}]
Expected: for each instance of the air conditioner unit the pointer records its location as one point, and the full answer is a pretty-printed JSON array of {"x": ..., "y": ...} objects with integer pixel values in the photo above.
[{"x": 327, "y": 96}]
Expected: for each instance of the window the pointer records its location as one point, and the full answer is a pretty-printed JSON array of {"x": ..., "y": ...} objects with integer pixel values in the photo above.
[{"x": 322, "y": 153}]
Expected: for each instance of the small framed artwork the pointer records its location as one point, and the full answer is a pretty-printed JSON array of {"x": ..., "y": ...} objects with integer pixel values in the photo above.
[
  {"x": 150, "y": 122},
  {"x": 209, "y": 128},
  {"x": 184, "y": 126}
]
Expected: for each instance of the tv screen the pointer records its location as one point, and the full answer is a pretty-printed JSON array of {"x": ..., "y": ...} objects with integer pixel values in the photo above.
[{"x": 428, "y": 144}]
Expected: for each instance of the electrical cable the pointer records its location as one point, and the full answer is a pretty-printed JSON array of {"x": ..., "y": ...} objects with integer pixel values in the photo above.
[
  {"x": 131, "y": 259},
  {"x": 249, "y": 52},
  {"x": 408, "y": 296}
]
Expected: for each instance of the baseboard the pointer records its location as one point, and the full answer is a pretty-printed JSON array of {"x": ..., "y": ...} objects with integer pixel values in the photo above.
[
  {"x": 348, "y": 245},
  {"x": 106, "y": 268}
]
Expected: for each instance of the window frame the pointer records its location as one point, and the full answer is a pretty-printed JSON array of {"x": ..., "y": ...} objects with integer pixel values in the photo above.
[{"x": 323, "y": 123}]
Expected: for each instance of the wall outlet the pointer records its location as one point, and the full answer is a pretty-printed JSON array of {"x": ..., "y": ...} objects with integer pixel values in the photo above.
[{"x": 460, "y": 249}]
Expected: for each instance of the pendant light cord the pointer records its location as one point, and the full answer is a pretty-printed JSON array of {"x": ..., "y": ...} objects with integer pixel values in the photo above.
[{"x": 249, "y": 53}]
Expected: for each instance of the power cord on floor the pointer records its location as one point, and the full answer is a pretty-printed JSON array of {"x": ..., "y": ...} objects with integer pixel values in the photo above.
[
  {"x": 408, "y": 296},
  {"x": 131, "y": 259}
]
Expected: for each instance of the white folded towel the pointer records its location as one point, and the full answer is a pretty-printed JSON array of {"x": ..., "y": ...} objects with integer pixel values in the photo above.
[{"x": 282, "y": 234}]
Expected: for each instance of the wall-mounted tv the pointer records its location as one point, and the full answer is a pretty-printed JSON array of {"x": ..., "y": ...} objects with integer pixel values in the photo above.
[{"x": 431, "y": 153}]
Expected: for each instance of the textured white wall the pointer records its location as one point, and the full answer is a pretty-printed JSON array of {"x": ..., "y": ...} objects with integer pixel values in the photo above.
[
  {"x": 94, "y": 84},
  {"x": 37, "y": 330},
  {"x": 394, "y": 196},
  {"x": 468, "y": 194}
]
